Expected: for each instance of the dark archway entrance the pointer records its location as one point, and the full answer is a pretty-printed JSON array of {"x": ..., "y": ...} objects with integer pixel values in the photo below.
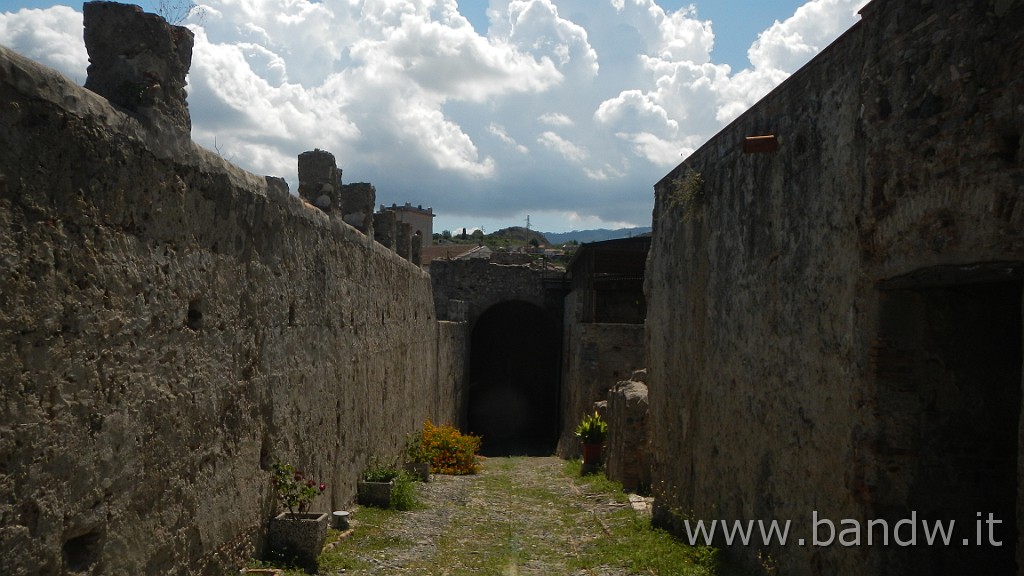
[{"x": 514, "y": 377}]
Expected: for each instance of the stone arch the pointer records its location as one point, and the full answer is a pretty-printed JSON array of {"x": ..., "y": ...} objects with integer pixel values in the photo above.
[{"x": 514, "y": 379}]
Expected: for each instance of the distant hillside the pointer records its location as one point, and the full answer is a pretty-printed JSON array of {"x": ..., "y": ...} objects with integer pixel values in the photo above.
[
  {"x": 583, "y": 236},
  {"x": 517, "y": 234}
]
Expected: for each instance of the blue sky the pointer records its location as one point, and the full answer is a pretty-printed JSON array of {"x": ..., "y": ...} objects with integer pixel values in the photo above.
[
  {"x": 564, "y": 110},
  {"x": 736, "y": 22}
]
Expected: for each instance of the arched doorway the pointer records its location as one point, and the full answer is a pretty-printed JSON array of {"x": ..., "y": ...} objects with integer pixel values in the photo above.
[{"x": 514, "y": 374}]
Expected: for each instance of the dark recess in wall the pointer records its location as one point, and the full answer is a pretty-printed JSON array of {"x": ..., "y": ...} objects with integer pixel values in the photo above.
[{"x": 513, "y": 397}]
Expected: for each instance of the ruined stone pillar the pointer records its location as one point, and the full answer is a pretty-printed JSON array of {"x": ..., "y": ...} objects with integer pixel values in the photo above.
[
  {"x": 138, "y": 61},
  {"x": 357, "y": 202},
  {"x": 416, "y": 249},
  {"x": 319, "y": 179},
  {"x": 403, "y": 245},
  {"x": 628, "y": 459},
  {"x": 384, "y": 228}
]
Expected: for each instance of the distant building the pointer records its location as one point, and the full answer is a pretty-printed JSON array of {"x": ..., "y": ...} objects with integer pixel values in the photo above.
[
  {"x": 420, "y": 219},
  {"x": 455, "y": 252},
  {"x": 603, "y": 342},
  {"x": 608, "y": 281}
]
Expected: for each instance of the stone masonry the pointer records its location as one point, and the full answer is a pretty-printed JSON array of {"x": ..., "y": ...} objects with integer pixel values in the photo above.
[
  {"x": 170, "y": 326},
  {"x": 357, "y": 202},
  {"x": 384, "y": 228},
  {"x": 834, "y": 299},
  {"x": 603, "y": 328},
  {"x": 628, "y": 444},
  {"x": 403, "y": 242},
  {"x": 138, "y": 62},
  {"x": 320, "y": 180}
]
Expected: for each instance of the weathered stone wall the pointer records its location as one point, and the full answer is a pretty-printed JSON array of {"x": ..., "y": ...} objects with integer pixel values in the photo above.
[
  {"x": 596, "y": 356},
  {"x": 451, "y": 388},
  {"x": 139, "y": 62},
  {"x": 320, "y": 180},
  {"x": 900, "y": 150},
  {"x": 357, "y": 202},
  {"x": 628, "y": 458},
  {"x": 384, "y": 228},
  {"x": 169, "y": 327},
  {"x": 403, "y": 244},
  {"x": 481, "y": 285}
]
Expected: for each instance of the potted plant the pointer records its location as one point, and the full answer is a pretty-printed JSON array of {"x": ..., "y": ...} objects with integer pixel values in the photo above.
[
  {"x": 417, "y": 461},
  {"x": 374, "y": 487},
  {"x": 592, "y": 431},
  {"x": 296, "y": 535}
]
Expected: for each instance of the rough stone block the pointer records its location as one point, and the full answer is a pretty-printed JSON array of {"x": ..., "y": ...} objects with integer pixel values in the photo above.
[
  {"x": 320, "y": 179},
  {"x": 385, "y": 229},
  {"x": 139, "y": 62},
  {"x": 357, "y": 203},
  {"x": 628, "y": 458}
]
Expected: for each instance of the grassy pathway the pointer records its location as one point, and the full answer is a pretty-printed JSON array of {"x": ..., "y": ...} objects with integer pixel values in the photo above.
[{"x": 518, "y": 516}]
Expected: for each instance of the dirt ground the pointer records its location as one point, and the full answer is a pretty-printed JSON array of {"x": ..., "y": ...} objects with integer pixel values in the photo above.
[{"x": 518, "y": 516}]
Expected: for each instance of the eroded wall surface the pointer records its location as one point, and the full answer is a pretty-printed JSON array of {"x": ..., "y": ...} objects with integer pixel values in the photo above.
[
  {"x": 465, "y": 289},
  {"x": 899, "y": 150},
  {"x": 171, "y": 326},
  {"x": 595, "y": 357}
]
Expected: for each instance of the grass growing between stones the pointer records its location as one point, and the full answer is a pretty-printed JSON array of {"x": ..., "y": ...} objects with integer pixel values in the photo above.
[
  {"x": 370, "y": 539},
  {"x": 518, "y": 516},
  {"x": 630, "y": 541},
  {"x": 514, "y": 524}
]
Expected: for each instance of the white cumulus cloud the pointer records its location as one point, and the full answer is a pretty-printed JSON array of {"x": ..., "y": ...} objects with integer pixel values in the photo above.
[
  {"x": 566, "y": 109},
  {"x": 563, "y": 147},
  {"x": 52, "y": 37}
]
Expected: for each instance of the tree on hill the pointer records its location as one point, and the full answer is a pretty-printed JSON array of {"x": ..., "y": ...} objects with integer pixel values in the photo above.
[{"x": 520, "y": 235}]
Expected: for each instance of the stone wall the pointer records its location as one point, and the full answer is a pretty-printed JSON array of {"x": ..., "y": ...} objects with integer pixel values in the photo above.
[
  {"x": 320, "y": 180},
  {"x": 171, "y": 326},
  {"x": 595, "y": 357},
  {"x": 481, "y": 285},
  {"x": 357, "y": 202},
  {"x": 629, "y": 438},
  {"x": 139, "y": 63},
  {"x": 774, "y": 391}
]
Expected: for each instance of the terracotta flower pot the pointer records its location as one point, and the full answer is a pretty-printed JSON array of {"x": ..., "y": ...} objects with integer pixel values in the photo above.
[
  {"x": 592, "y": 457},
  {"x": 298, "y": 538}
]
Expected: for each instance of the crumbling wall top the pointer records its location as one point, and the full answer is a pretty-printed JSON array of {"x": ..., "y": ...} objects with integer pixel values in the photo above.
[{"x": 139, "y": 62}]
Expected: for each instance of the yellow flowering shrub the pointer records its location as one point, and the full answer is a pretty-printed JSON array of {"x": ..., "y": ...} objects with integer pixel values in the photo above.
[{"x": 450, "y": 451}]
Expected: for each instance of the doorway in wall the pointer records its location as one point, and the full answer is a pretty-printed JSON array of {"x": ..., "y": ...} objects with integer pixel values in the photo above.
[
  {"x": 948, "y": 369},
  {"x": 514, "y": 375}
]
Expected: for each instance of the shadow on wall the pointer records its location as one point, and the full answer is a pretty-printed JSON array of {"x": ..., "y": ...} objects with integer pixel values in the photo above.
[
  {"x": 513, "y": 397},
  {"x": 949, "y": 375}
]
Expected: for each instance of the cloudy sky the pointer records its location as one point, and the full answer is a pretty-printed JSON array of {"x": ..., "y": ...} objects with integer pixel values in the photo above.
[{"x": 488, "y": 111}]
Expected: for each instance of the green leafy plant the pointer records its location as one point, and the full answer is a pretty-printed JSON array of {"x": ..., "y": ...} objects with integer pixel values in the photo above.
[
  {"x": 376, "y": 471},
  {"x": 450, "y": 451},
  {"x": 403, "y": 490},
  {"x": 294, "y": 490},
  {"x": 687, "y": 192},
  {"x": 592, "y": 429},
  {"x": 403, "y": 493},
  {"x": 414, "y": 451}
]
